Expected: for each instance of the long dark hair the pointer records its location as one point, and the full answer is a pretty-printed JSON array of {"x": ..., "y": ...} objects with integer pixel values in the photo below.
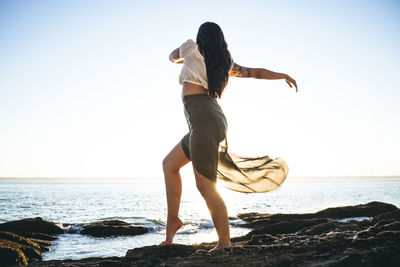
[{"x": 213, "y": 47}]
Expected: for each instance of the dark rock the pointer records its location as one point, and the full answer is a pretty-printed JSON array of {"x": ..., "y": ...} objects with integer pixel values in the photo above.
[
  {"x": 261, "y": 239},
  {"x": 285, "y": 227},
  {"x": 371, "y": 209},
  {"x": 112, "y": 228},
  {"x": 43, "y": 244},
  {"x": 317, "y": 229},
  {"x": 329, "y": 226},
  {"x": 11, "y": 255},
  {"x": 375, "y": 256},
  {"x": 363, "y": 210},
  {"x": 16, "y": 249},
  {"x": 312, "y": 239},
  {"x": 40, "y": 236},
  {"x": 154, "y": 255},
  {"x": 87, "y": 262},
  {"x": 18, "y": 239},
  {"x": 393, "y": 215},
  {"x": 13, "y": 252},
  {"x": 384, "y": 238},
  {"x": 38, "y": 244},
  {"x": 33, "y": 225}
]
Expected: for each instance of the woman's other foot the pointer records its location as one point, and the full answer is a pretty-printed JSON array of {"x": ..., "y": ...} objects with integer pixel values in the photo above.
[
  {"x": 218, "y": 247},
  {"x": 172, "y": 227}
]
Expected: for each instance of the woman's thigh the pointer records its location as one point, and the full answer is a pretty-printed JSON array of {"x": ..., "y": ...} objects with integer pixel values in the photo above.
[{"x": 175, "y": 159}]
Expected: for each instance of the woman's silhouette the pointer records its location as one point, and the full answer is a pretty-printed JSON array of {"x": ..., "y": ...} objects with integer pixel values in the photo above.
[{"x": 207, "y": 65}]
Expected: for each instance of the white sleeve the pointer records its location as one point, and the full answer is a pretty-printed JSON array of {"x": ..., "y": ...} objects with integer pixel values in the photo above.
[{"x": 186, "y": 47}]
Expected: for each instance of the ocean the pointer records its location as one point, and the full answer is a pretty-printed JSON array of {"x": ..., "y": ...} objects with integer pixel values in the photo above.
[{"x": 142, "y": 201}]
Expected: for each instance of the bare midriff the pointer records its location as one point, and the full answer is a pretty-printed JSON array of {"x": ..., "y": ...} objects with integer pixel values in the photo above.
[{"x": 192, "y": 89}]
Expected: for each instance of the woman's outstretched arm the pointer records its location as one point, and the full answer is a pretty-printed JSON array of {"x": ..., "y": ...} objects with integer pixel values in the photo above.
[{"x": 260, "y": 73}]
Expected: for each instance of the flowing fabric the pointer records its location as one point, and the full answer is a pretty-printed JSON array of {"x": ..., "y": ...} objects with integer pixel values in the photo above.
[
  {"x": 206, "y": 145},
  {"x": 249, "y": 174}
]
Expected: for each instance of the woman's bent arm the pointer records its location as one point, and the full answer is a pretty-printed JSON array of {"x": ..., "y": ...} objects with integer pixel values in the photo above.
[
  {"x": 174, "y": 57},
  {"x": 260, "y": 73}
]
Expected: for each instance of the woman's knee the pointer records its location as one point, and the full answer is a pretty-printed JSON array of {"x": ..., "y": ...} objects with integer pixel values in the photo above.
[
  {"x": 175, "y": 159},
  {"x": 201, "y": 187},
  {"x": 169, "y": 165},
  {"x": 205, "y": 186}
]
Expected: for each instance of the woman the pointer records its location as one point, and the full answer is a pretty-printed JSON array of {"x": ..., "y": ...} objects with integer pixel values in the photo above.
[{"x": 207, "y": 67}]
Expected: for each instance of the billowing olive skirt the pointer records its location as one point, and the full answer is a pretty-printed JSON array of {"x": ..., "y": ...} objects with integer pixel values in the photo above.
[{"x": 206, "y": 146}]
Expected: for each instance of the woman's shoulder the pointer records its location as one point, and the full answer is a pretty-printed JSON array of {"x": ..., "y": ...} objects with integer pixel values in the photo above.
[{"x": 186, "y": 47}]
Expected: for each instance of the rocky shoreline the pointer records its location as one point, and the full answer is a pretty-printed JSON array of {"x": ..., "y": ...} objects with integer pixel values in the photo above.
[{"x": 360, "y": 235}]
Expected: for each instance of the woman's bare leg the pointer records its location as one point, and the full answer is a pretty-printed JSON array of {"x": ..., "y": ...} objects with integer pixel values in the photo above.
[
  {"x": 173, "y": 186},
  {"x": 217, "y": 208}
]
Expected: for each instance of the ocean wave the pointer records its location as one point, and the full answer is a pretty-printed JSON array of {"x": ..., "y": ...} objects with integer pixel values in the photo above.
[
  {"x": 236, "y": 221},
  {"x": 207, "y": 224},
  {"x": 74, "y": 228},
  {"x": 350, "y": 219},
  {"x": 187, "y": 232}
]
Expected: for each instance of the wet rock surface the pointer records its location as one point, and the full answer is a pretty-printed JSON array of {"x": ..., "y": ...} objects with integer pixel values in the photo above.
[
  {"x": 315, "y": 239},
  {"x": 31, "y": 225},
  {"x": 93, "y": 261},
  {"x": 112, "y": 228},
  {"x": 23, "y": 241}
]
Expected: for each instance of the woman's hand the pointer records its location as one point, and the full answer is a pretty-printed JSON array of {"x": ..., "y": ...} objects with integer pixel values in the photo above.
[{"x": 291, "y": 81}]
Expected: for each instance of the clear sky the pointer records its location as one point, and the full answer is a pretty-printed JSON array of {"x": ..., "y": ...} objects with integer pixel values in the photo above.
[{"x": 86, "y": 88}]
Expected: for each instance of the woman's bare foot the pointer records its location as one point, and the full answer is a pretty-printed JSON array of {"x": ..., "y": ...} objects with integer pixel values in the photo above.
[
  {"x": 172, "y": 228},
  {"x": 218, "y": 247}
]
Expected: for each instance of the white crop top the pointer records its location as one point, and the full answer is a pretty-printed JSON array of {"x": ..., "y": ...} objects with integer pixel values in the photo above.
[{"x": 194, "y": 68}]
